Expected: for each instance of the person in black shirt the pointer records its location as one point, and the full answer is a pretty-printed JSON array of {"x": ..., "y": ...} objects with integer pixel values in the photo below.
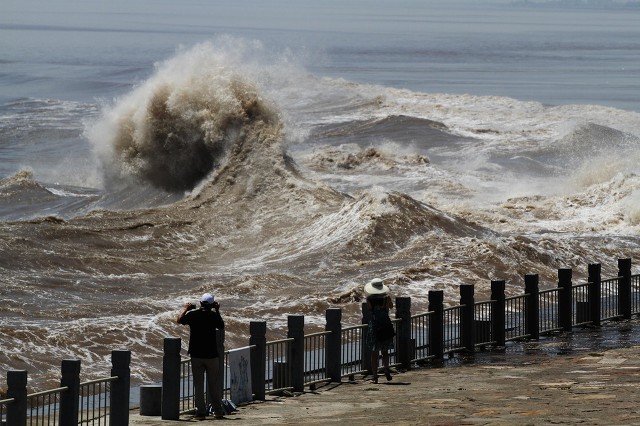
[
  {"x": 204, "y": 353},
  {"x": 380, "y": 332}
]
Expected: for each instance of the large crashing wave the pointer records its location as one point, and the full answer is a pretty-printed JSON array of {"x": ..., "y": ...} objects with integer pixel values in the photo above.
[{"x": 174, "y": 129}]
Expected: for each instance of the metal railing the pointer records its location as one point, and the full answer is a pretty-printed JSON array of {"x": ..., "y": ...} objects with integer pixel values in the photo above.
[
  {"x": 483, "y": 313},
  {"x": 278, "y": 370},
  {"x": 515, "y": 317},
  {"x": 3, "y": 410},
  {"x": 43, "y": 407},
  {"x": 420, "y": 326},
  {"x": 94, "y": 401},
  {"x": 452, "y": 329},
  {"x": 186, "y": 387},
  {"x": 352, "y": 344},
  {"x": 303, "y": 359},
  {"x": 548, "y": 308},
  {"x": 315, "y": 368},
  {"x": 581, "y": 307},
  {"x": 226, "y": 376},
  {"x": 635, "y": 294},
  {"x": 609, "y": 298}
]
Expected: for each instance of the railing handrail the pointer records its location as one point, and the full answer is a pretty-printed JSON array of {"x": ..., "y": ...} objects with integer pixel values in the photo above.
[
  {"x": 354, "y": 327},
  {"x": 450, "y": 308},
  {"x": 62, "y": 389},
  {"x": 285, "y": 340},
  {"x": 7, "y": 401},
  {"x": 423, "y": 314},
  {"x": 319, "y": 333},
  {"x": 517, "y": 296},
  {"x": 242, "y": 347},
  {"x": 102, "y": 380},
  {"x": 46, "y": 392},
  {"x": 483, "y": 302}
]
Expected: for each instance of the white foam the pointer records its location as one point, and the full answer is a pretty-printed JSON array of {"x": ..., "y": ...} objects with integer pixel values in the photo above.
[{"x": 329, "y": 232}]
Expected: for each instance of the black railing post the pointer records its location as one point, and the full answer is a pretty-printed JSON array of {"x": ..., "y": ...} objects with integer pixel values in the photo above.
[
  {"x": 366, "y": 352},
  {"x": 171, "y": 379},
  {"x": 467, "y": 320},
  {"x": 333, "y": 352},
  {"x": 258, "y": 339},
  {"x": 565, "y": 299},
  {"x": 120, "y": 388},
  {"x": 17, "y": 389},
  {"x": 436, "y": 325},
  {"x": 595, "y": 293},
  {"x": 296, "y": 361},
  {"x": 531, "y": 288},
  {"x": 498, "y": 325},
  {"x": 403, "y": 311},
  {"x": 624, "y": 288},
  {"x": 70, "y": 399}
]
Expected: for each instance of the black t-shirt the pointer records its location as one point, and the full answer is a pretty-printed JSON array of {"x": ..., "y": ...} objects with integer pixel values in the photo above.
[
  {"x": 377, "y": 301},
  {"x": 202, "y": 337}
]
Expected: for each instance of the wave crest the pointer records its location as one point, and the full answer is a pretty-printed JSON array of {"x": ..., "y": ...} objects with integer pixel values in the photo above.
[{"x": 176, "y": 128}]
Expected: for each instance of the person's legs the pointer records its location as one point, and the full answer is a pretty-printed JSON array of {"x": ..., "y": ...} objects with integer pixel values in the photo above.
[
  {"x": 197, "y": 370},
  {"x": 374, "y": 365},
  {"x": 385, "y": 359},
  {"x": 385, "y": 364},
  {"x": 214, "y": 390}
]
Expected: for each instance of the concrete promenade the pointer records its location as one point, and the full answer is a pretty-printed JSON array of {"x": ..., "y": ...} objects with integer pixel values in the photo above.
[{"x": 541, "y": 383}]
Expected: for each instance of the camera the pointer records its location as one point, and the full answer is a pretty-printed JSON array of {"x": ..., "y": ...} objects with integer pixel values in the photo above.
[{"x": 190, "y": 306}]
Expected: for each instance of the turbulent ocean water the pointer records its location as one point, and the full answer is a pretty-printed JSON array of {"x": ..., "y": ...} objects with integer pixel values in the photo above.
[{"x": 281, "y": 154}]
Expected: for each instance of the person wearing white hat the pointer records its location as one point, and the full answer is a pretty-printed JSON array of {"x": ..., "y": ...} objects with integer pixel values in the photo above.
[
  {"x": 203, "y": 349},
  {"x": 380, "y": 332}
]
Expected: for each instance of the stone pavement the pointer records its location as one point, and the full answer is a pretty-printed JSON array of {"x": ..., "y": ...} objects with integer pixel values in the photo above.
[{"x": 579, "y": 387}]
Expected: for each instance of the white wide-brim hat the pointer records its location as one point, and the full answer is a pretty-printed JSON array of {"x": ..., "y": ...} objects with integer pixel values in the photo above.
[{"x": 375, "y": 287}]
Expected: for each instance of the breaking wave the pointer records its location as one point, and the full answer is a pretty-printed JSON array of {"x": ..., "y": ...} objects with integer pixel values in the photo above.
[{"x": 176, "y": 128}]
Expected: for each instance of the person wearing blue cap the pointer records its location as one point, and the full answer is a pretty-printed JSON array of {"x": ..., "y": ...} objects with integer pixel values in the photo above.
[{"x": 203, "y": 349}]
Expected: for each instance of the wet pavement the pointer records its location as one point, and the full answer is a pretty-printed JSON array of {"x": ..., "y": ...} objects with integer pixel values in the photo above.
[{"x": 590, "y": 376}]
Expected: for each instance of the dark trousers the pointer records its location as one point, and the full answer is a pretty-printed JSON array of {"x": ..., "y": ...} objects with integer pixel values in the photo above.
[{"x": 209, "y": 367}]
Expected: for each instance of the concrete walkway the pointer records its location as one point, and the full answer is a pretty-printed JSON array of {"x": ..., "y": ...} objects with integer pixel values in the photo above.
[{"x": 581, "y": 387}]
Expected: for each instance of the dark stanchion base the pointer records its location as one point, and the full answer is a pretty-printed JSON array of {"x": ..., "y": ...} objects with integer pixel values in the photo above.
[{"x": 150, "y": 400}]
